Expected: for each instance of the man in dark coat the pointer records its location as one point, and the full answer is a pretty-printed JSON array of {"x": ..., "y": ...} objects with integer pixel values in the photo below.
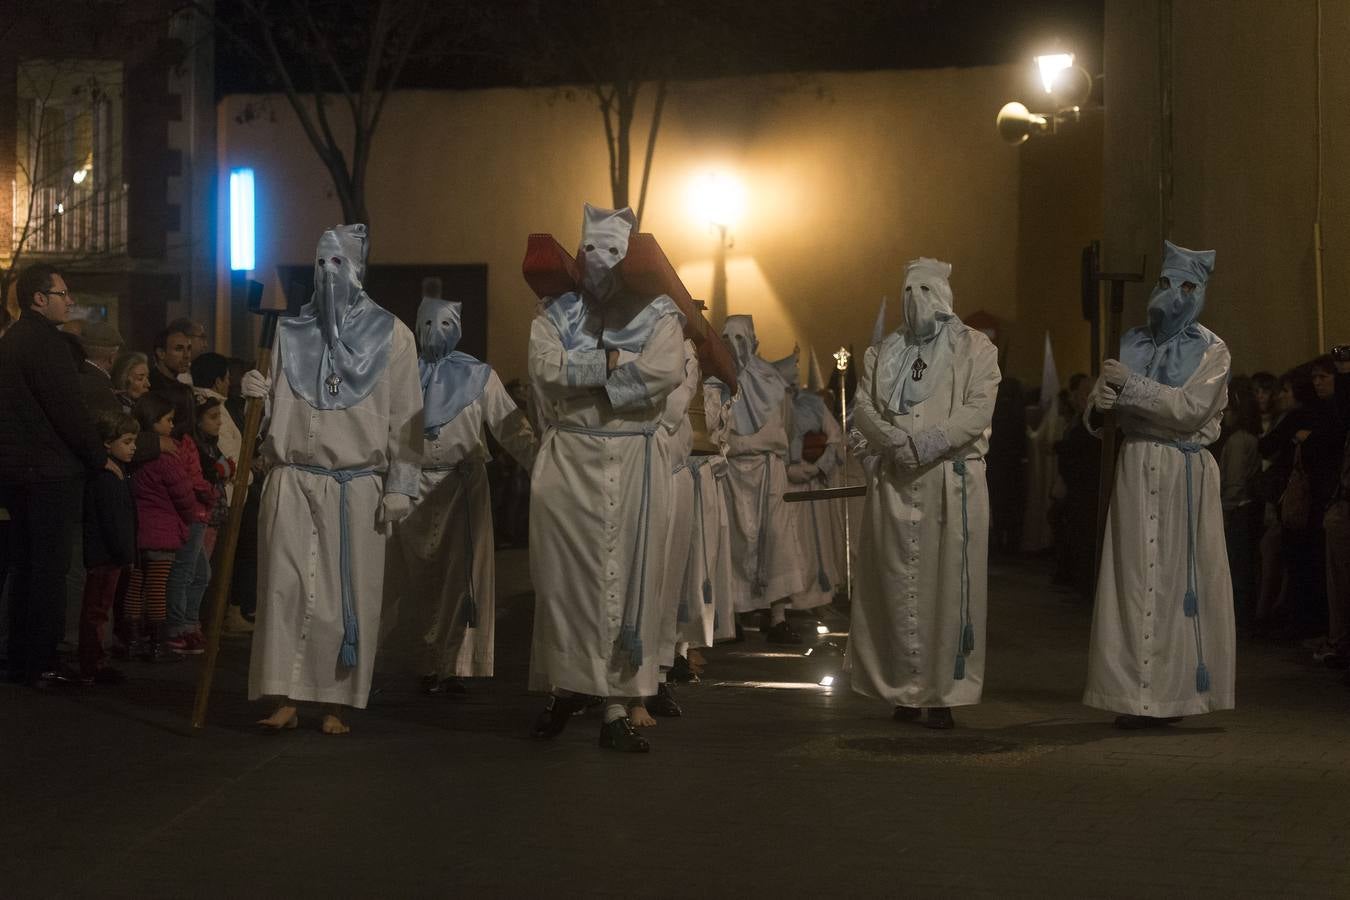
[{"x": 48, "y": 444}]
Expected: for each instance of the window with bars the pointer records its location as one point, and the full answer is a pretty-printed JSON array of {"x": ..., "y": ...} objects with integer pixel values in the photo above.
[{"x": 69, "y": 196}]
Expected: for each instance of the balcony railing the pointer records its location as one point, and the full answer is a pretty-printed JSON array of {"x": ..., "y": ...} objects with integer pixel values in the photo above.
[{"x": 77, "y": 220}]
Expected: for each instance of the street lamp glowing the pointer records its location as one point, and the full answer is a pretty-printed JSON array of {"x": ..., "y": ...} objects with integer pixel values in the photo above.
[
  {"x": 717, "y": 198},
  {"x": 80, "y": 175},
  {"x": 1051, "y": 65},
  {"x": 241, "y": 220}
]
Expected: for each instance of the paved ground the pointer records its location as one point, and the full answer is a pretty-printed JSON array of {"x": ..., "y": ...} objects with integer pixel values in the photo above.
[{"x": 757, "y": 791}]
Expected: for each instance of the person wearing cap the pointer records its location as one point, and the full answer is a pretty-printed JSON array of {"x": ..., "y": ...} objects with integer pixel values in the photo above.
[
  {"x": 924, "y": 407},
  {"x": 1163, "y": 636},
  {"x": 101, "y": 342}
]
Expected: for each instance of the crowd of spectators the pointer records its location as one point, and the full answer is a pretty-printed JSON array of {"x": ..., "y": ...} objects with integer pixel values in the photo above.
[{"x": 115, "y": 467}]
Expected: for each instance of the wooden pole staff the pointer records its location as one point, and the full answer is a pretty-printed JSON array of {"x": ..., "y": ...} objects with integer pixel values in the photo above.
[
  {"x": 229, "y": 536},
  {"x": 1106, "y": 480}
]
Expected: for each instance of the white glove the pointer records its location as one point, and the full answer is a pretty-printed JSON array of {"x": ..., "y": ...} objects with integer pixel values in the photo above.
[
  {"x": 255, "y": 385},
  {"x": 1116, "y": 373},
  {"x": 857, "y": 444},
  {"x": 930, "y": 445},
  {"x": 393, "y": 508},
  {"x": 802, "y": 472},
  {"x": 1104, "y": 396},
  {"x": 904, "y": 455}
]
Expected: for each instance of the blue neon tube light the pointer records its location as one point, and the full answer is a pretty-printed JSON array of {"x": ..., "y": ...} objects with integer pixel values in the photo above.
[{"x": 241, "y": 220}]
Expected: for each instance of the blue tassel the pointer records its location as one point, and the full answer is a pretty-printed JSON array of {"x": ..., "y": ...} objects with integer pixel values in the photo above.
[
  {"x": 347, "y": 658},
  {"x": 1192, "y": 604},
  {"x": 823, "y": 581},
  {"x": 707, "y": 592},
  {"x": 631, "y": 641},
  {"x": 968, "y": 639},
  {"x": 960, "y": 673},
  {"x": 1201, "y": 678}
]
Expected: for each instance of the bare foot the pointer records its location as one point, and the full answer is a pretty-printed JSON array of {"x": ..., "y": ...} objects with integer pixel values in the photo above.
[
  {"x": 697, "y": 662},
  {"x": 284, "y": 717},
  {"x": 640, "y": 718},
  {"x": 333, "y": 725}
]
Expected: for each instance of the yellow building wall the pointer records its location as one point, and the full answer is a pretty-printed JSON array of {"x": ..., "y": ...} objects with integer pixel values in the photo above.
[{"x": 847, "y": 176}]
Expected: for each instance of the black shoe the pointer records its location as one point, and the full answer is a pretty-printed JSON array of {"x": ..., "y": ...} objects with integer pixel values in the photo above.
[
  {"x": 663, "y": 704},
  {"x": 939, "y": 717},
  {"x": 782, "y": 633},
  {"x": 440, "y": 687},
  {"x": 587, "y": 703},
  {"x": 680, "y": 673},
  {"x": 906, "y": 714},
  {"x": 54, "y": 680},
  {"x": 620, "y": 735},
  {"x": 551, "y": 722}
]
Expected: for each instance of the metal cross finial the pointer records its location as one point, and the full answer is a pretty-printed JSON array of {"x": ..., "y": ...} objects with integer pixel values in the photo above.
[{"x": 841, "y": 358}]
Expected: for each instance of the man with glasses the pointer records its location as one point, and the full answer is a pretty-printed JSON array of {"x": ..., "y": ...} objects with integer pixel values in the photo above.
[{"x": 48, "y": 445}]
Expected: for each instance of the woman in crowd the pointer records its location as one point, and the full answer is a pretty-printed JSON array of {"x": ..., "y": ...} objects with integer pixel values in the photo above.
[{"x": 131, "y": 378}]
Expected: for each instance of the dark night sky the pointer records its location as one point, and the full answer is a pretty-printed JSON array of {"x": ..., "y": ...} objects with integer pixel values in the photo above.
[{"x": 775, "y": 36}]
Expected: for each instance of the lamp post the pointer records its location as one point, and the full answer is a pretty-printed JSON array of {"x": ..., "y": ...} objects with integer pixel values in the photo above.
[
  {"x": 1068, "y": 86},
  {"x": 718, "y": 199},
  {"x": 841, "y": 360}
]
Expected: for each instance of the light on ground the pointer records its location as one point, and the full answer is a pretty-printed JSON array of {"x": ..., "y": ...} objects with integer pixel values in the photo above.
[
  {"x": 827, "y": 681},
  {"x": 822, "y": 629}
]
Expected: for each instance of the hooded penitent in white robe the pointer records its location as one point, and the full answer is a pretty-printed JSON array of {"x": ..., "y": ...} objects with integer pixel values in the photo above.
[
  {"x": 766, "y": 566},
  {"x": 678, "y": 606},
  {"x": 601, "y": 486},
  {"x": 441, "y": 582},
  {"x": 820, "y": 521},
  {"x": 917, "y": 636},
  {"x": 1149, "y": 639},
  {"x": 344, "y": 430}
]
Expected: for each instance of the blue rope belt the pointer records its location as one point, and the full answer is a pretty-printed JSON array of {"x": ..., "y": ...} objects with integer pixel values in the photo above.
[
  {"x": 966, "y": 637},
  {"x": 630, "y": 634},
  {"x": 470, "y": 608},
  {"x": 1191, "y": 601},
  {"x": 347, "y": 655}
]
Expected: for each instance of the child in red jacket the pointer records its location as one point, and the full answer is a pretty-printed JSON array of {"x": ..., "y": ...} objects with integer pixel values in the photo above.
[
  {"x": 191, "y": 571},
  {"x": 165, "y": 508}
]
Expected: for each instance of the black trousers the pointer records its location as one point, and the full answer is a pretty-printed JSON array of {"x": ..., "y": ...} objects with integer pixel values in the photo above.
[{"x": 43, "y": 522}]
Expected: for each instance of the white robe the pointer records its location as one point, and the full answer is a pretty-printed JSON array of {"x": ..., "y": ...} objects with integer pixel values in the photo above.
[
  {"x": 430, "y": 581},
  {"x": 299, "y": 627},
  {"x": 679, "y": 436},
  {"x": 586, "y": 526},
  {"x": 905, "y": 634},
  {"x": 821, "y": 537},
  {"x": 766, "y": 565},
  {"x": 1143, "y": 655},
  {"x": 1042, "y": 471}
]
